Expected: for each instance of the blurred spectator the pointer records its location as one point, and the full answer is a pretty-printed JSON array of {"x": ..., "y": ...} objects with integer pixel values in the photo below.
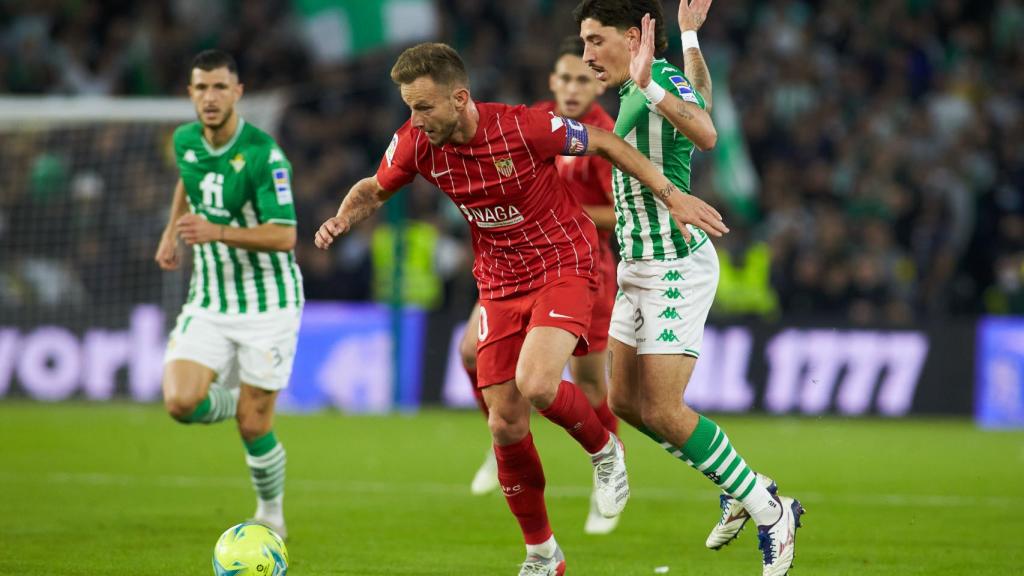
[{"x": 885, "y": 136}]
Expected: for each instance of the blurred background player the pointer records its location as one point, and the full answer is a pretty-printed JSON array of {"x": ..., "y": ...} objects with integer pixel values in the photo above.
[
  {"x": 667, "y": 281},
  {"x": 239, "y": 325},
  {"x": 588, "y": 178},
  {"x": 534, "y": 265}
]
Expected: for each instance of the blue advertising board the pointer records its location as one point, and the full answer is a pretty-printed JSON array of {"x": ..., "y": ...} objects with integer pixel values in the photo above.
[{"x": 999, "y": 390}]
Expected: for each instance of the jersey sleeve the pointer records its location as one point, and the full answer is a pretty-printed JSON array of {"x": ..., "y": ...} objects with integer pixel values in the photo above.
[
  {"x": 178, "y": 144},
  {"x": 672, "y": 80},
  {"x": 550, "y": 135},
  {"x": 398, "y": 166},
  {"x": 273, "y": 179}
]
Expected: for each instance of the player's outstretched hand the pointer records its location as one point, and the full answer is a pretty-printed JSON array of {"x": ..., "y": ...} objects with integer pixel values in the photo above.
[
  {"x": 329, "y": 230},
  {"x": 692, "y": 14},
  {"x": 694, "y": 211},
  {"x": 641, "y": 53},
  {"x": 167, "y": 252},
  {"x": 194, "y": 229}
]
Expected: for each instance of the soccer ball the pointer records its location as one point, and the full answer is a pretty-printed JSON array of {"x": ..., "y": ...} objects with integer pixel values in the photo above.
[{"x": 250, "y": 549}]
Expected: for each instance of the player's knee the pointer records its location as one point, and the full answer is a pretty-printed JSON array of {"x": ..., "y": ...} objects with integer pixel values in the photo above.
[
  {"x": 181, "y": 406},
  {"x": 623, "y": 407},
  {"x": 507, "y": 428},
  {"x": 538, "y": 386}
]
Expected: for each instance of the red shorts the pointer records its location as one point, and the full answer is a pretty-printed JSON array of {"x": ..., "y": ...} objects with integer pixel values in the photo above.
[
  {"x": 565, "y": 303},
  {"x": 604, "y": 301}
]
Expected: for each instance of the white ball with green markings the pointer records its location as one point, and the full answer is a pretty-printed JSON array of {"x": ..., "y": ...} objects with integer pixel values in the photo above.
[{"x": 250, "y": 549}]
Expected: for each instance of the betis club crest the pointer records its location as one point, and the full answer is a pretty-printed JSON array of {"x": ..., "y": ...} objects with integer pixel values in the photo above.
[{"x": 505, "y": 167}]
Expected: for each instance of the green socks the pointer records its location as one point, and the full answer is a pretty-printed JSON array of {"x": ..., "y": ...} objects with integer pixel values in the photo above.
[
  {"x": 266, "y": 459},
  {"x": 219, "y": 404}
]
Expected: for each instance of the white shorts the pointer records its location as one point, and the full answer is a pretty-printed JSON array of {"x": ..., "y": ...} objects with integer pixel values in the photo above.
[
  {"x": 255, "y": 349},
  {"x": 661, "y": 306}
]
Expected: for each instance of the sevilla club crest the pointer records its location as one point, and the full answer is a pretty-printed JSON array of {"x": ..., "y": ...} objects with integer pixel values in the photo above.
[{"x": 505, "y": 167}]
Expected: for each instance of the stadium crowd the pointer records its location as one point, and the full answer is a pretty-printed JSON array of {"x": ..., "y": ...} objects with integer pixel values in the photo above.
[{"x": 885, "y": 137}]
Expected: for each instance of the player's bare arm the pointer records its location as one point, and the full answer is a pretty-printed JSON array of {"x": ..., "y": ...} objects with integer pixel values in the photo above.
[
  {"x": 603, "y": 216},
  {"x": 362, "y": 200},
  {"x": 269, "y": 237},
  {"x": 691, "y": 16},
  {"x": 167, "y": 252},
  {"x": 684, "y": 208},
  {"x": 687, "y": 117}
]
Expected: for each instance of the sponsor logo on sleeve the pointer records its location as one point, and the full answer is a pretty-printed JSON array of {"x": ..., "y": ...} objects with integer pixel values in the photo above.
[
  {"x": 275, "y": 156},
  {"x": 390, "y": 154},
  {"x": 283, "y": 186},
  {"x": 684, "y": 88},
  {"x": 190, "y": 157}
]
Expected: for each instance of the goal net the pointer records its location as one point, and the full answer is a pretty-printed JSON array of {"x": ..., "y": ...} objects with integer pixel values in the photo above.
[{"x": 84, "y": 197}]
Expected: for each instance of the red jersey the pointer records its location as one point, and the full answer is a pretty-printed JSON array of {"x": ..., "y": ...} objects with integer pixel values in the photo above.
[
  {"x": 527, "y": 229},
  {"x": 588, "y": 178}
]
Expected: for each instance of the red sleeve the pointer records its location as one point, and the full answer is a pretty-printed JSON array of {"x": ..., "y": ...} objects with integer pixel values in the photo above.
[
  {"x": 398, "y": 166},
  {"x": 551, "y": 135}
]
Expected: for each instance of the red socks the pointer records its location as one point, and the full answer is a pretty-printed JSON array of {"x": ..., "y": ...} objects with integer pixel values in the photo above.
[
  {"x": 572, "y": 411},
  {"x": 522, "y": 480},
  {"x": 478, "y": 393},
  {"x": 604, "y": 414}
]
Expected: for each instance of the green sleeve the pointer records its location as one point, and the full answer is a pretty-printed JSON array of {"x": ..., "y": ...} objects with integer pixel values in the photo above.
[
  {"x": 272, "y": 175},
  {"x": 675, "y": 82}
]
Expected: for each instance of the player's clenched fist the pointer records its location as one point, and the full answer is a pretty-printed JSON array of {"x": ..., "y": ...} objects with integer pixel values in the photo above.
[
  {"x": 167, "y": 252},
  {"x": 330, "y": 230}
]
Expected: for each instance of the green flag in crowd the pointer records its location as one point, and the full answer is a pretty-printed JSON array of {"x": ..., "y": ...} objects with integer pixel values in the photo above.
[{"x": 340, "y": 29}]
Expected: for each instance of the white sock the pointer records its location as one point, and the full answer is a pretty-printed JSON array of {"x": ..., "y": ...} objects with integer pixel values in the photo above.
[
  {"x": 761, "y": 506},
  {"x": 272, "y": 509},
  {"x": 544, "y": 550}
]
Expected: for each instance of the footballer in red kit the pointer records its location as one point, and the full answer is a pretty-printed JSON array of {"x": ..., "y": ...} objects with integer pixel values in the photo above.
[
  {"x": 535, "y": 254},
  {"x": 588, "y": 179}
]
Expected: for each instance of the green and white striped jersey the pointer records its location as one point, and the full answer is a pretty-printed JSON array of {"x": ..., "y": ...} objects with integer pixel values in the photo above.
[
  {"x": 245, "y": 183},
  {"x": 643, "y": 228}
]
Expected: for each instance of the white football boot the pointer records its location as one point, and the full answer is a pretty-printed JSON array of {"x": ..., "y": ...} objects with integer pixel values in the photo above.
[
  {"x": 734, "y": 516},
  {"x": 486, "y": 479},
  {"x": 611, "y": 483},
  {"x": 536, "y": 565},
  {"x": 596, "y": 523},
  {"x": 777, "y": 542}
]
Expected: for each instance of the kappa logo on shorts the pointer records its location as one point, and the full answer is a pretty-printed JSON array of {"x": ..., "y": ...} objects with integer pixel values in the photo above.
[
  {"x": 673, "y": 294},
  {"x": 672, "y": 276},
  {"x": 669, "y": 313},
  {"x": 667, "y": 336}
]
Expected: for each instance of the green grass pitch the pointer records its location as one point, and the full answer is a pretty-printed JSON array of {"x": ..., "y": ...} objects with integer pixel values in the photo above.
[{"x": 120, "y": 489}]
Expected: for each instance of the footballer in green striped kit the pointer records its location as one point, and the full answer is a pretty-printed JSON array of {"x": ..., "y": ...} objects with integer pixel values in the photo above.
[
  {"x": 232, "y": 348},
  {"x": 668, "y": 273}
]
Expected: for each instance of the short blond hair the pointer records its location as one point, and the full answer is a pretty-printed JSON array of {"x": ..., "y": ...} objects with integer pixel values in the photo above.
[{"x": 438, "y": 61}]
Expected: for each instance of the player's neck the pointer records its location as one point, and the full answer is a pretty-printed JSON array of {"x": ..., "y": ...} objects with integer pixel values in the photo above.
[
  {"x": 220, "y": 136},
  {"x": 467, "y": 129}
]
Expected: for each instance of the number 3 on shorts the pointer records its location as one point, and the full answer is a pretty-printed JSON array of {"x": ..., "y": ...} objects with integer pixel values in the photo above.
[{"x": 482, "y": 329}]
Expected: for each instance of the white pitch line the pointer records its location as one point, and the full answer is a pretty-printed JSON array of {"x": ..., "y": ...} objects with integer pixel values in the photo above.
[{"x": 460, "y": 490}]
